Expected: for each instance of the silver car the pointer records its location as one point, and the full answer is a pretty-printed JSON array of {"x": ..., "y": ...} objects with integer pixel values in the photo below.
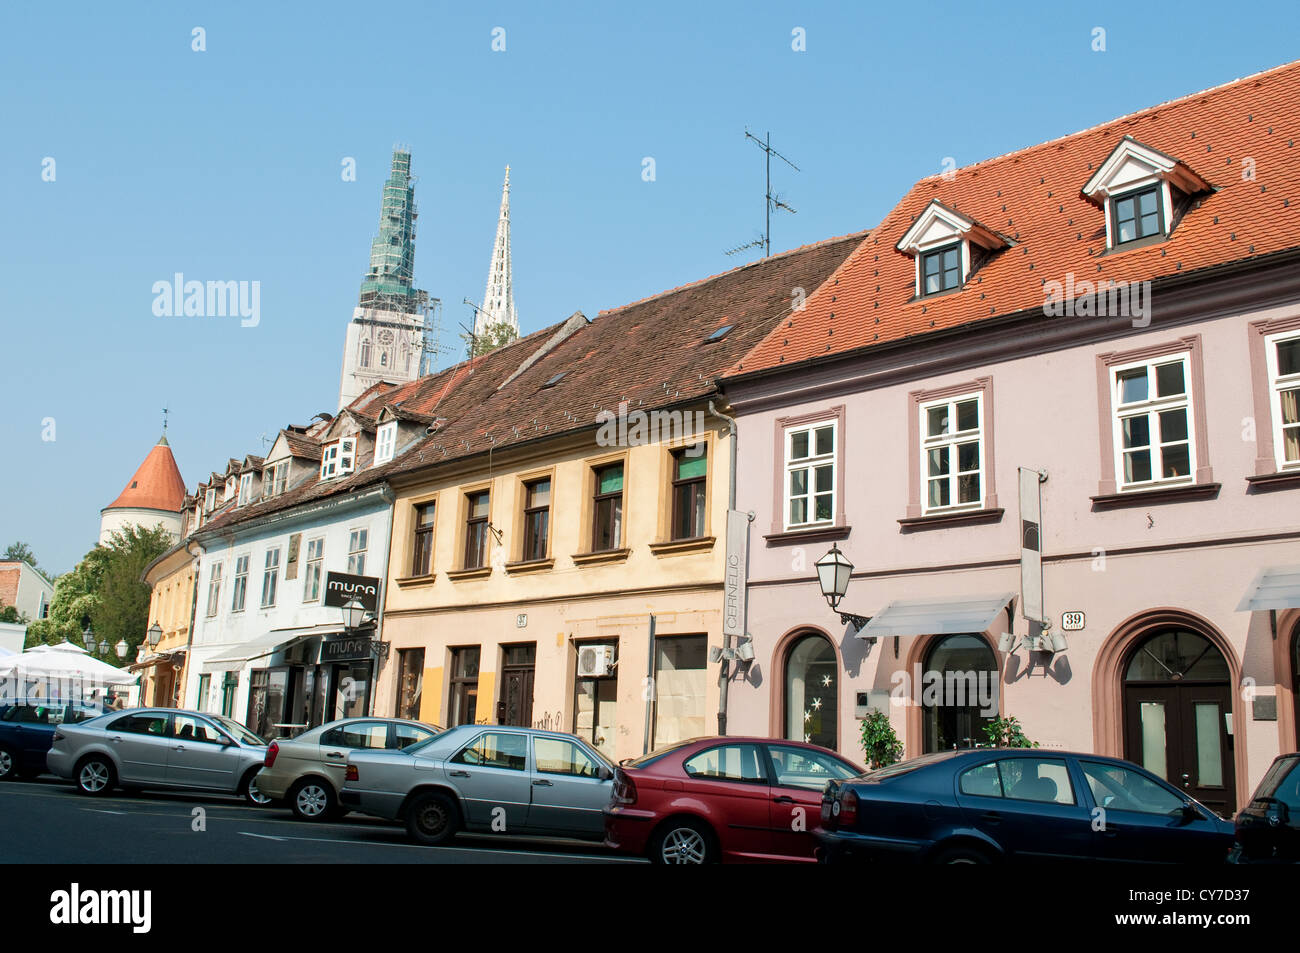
[
  {"x": 307, "y": 771},
  {"x": 486, "y": 778},
  {"x": 159, "y": 748}
]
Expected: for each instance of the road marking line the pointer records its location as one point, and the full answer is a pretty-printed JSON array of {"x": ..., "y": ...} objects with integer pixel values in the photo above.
[
  {"x": 263, "y": 836},
  {"x": 95, "y": 810},
  {"x": 471, "y": 850}
]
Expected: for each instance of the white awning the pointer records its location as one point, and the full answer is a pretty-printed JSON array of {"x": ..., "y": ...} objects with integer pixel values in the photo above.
[
  {"x": 946, "y": 616},
  {"x": 236, "y": 656},
  {"x": 1277, "y": 587}
]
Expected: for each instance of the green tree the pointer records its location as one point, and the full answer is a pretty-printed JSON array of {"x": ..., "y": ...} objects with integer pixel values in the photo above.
[
  {"x": 1007, "y": 733},
  {"x": 493, "y": 337},
  {"x": 106, "y": 589},
  {"x": 20, "y": 551},
  {"x": 11, "y": 614},
  {"x": 880, "y": 742}
]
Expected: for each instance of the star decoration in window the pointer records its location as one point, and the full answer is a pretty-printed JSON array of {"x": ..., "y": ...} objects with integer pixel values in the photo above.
[
  {"x": 826, "y": 681},
  {"x": 817, "y": 704}
]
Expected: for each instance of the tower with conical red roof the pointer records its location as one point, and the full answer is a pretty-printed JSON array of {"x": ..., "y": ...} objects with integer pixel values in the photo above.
[{"x": 154, "y": 495}]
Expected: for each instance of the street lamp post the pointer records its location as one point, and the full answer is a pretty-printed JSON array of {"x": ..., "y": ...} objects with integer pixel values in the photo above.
[
  {"x": 154, "y": 635},
  {"x": 121, "y": 649},
  {"x": 833, "y": 573}
]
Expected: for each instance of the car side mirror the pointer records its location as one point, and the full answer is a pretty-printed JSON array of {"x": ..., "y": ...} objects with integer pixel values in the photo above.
[
  {"x": 227, "y": 741},
  {"x": 1190, "y": 813},
  {"x": 604, "y": 773}
]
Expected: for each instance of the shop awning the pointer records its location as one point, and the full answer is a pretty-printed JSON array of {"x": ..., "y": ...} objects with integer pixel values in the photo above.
[
  {"x": 153, "y": 660},
  {"x": 946, "y": 616},
  {"x": 236, "y": 656},
  {"x": 1276, "y": 587}
]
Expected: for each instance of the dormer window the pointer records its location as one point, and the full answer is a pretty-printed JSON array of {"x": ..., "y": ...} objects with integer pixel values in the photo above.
[
  {"x": 1137, "y": 215},
  {"x": 210, "y": 500},
  {"x": 1143, "y": 191},
  {"x": 947, "y": 247},
  {"x": 941, "y": 269},
  {"x": 245, "y": 488},
  {"x": 339, "y": 459},
  {"x": 385, "y": 442},
  {"x": 275, "y": 479},
  {"x": 229, "y": 491}
]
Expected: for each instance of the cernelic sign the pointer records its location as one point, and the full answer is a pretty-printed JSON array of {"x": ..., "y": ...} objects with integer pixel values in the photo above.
[{"x": 340, "y": 588}]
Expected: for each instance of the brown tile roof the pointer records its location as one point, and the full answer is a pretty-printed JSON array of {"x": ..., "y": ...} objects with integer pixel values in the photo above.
[
  {"x": 1033, "y": 197},
  {"x": 649, "y": 353},
  {"x": 156, "y": 485}
]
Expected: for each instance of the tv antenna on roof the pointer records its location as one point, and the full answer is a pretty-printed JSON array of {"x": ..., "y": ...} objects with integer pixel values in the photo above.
[{"x": 772, "y": 202}]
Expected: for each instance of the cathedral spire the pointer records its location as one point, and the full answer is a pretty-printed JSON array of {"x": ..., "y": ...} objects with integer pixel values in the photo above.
[
  {"x": 389, "y": 282},
  {"x": 499, "y": 296}
]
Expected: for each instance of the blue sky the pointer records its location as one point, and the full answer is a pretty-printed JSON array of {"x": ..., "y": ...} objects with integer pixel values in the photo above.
[{"x": 225, "y": 165}]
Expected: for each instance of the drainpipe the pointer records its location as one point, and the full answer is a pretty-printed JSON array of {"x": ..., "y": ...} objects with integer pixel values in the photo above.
[
  {"x": 724, "y": 668},
  {"x": 194, "y": 608}
]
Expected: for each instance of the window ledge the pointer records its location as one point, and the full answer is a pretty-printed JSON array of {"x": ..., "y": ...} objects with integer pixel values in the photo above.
[
  {"x": 425, "y": 580},
  {"x": 1273, "y": 481},
  {"x": 479, "y": 572},
  {"x": 530, "y": 565},
  {"x": 938, "y": 520},
  {"x": 604, "y": 556},
  {"x": 675, "y": 547},
  {"x": 813, "y": 534},
  {"x": 1167, "y": 494}
]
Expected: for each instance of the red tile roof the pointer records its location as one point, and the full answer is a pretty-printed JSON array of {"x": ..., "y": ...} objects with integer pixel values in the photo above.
[
  {"x": 649, "y": 353},
  {"x": 1033, "y": 197},
  {"x": 157, "y": 484}
]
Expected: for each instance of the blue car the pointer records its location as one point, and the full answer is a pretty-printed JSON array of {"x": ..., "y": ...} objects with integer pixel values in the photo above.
[
  {"x": 27, "y": 732},
  {"x": 989, "y": 805}
]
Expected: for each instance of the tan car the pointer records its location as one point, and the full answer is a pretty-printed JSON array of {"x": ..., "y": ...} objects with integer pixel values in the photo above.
[{"x": 307, "y": 772}]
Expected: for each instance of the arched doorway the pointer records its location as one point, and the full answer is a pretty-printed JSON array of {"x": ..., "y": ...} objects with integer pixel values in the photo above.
[
  {"x": 811, "y": 691},
  {"x": 958, "y": 693},
  {"x": 1177, "y": 698}
]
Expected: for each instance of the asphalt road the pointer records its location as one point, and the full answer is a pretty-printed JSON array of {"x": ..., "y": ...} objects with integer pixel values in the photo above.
[{"x": 47, "y": 822}]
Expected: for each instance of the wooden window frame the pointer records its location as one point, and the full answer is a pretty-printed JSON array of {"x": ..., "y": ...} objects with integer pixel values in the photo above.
[{"x": 422, "y": 536}]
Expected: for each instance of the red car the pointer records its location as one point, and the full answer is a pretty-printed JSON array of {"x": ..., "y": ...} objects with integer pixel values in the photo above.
[{"x": 728, "y": 799}]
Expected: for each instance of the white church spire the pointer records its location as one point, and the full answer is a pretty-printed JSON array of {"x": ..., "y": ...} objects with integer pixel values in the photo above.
[{"x": 499, "y": 296}]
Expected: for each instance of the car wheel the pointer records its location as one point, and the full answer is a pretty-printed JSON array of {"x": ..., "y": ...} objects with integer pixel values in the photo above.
[
  {"x": 8, "y": 765},
  {"x": 312, "y": 799},
  {"x": 962, "y": 855},
  {"x": 683, "y": 842},
  {"x": 432, "y": 819},
  {"x": 95, "y": 776},
  {"x": 252, "y": 794}
]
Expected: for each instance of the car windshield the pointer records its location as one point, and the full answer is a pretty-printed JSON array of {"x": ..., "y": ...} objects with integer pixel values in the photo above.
[
  {"x": 648, "y": 759},
  {"x": 242, "y": 734},
  {"x": 905, "y": 767},
  {"x": 1284, "y": 774}
]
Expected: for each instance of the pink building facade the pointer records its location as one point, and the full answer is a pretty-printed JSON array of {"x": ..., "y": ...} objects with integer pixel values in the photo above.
[{"x": 1166, "y": 447}]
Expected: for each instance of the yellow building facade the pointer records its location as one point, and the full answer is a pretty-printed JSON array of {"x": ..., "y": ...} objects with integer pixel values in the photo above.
[
  {"x": 572, "y": 585},
  {"x": 171, "y": 579}
]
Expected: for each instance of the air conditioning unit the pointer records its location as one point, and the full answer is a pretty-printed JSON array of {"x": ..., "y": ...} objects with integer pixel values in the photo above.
[{"x": 595, "y": 661}]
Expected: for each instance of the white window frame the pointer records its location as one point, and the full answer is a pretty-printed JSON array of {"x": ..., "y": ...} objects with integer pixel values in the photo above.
[
  {"x": 1152, "y": 407},
  {"x": 313, "y": 570},
  {"x": 214, "y": 590},
  {"x": 809, "y": 463},
  {"x": 385, "y": 442},
  {"x": 1276, "y": 385},
  {"x": 271, "y": 576},
  {"x": 210, "y": 500},
  {"x": 951, "y": 440},
  {"x": 339, "y": 458},
  {"x": 275, "y": 479},
  {"x": 229, "y": 491},
  {"x": 245, "y": 488},
  {"x": 239, "y": 585},
  {"x": 357, "y": 553}
]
